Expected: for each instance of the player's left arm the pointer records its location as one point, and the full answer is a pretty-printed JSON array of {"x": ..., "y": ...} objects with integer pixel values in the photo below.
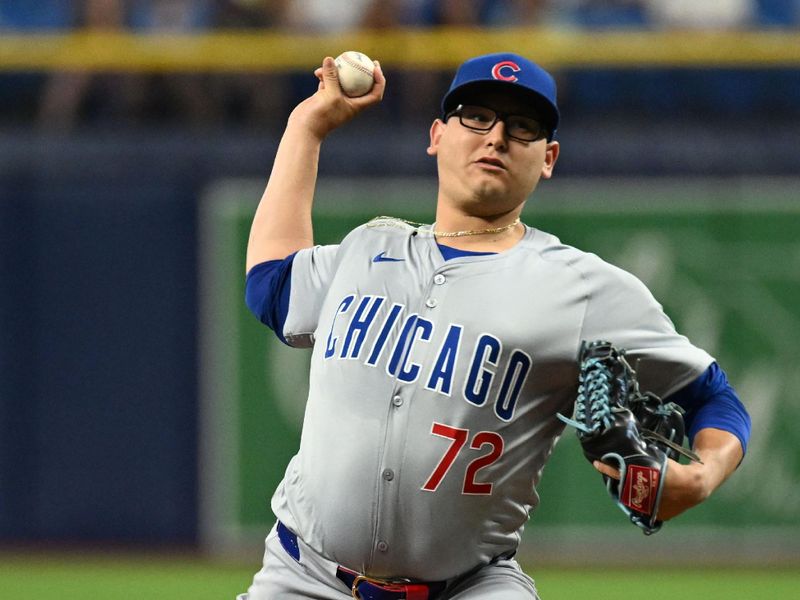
[
  {"x": 718, "y": 426},
  {"x": 688, "y": 485}
]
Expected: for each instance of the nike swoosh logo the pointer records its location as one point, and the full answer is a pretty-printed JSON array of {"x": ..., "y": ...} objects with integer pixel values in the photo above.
[{"x": 383, "y": 258}]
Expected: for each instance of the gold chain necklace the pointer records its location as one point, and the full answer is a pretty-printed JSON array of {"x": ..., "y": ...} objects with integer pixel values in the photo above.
[{"x": 382, "y": 221}]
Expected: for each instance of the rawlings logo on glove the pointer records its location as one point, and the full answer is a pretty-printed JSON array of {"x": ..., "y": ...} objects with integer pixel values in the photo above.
[
  {"x": 643, "y": 485},
  {"x": 634, "y": 432}
]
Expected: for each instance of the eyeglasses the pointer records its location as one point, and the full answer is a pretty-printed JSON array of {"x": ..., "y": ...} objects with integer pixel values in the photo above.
[{"x": 480, "y": 118}]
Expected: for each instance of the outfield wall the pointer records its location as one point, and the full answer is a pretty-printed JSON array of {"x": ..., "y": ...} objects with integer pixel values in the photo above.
[{"x": 723, "y": 257}]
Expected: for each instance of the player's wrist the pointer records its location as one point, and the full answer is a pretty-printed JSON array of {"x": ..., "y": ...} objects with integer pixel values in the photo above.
[
  {"x": 697, "y": 485},
  {"x": 303, "y": 124},
  {"x": 693, "y": 485}
]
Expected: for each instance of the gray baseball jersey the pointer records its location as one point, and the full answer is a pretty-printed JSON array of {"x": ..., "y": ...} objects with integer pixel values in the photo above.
[{"x": 434, "y": 389}]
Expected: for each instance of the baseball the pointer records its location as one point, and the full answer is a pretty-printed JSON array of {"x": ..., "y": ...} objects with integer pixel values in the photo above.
[{"x": 355, "y": 73}]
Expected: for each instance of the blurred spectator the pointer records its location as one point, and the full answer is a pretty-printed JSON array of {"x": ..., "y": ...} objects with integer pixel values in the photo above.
[
  {"x": 171, "y": 15},
  {"x": 251, "y": 14},
  {"x": 691, "y": 14},
  {"x": 254, "y": 100},
  {"x": 511, "y": 13},
  {"x": 450, "y": 13},
  {"x": 382, "y": 15},
  {"x": 20, "y": 92},
  {"x": 181, "y": 96},
  {"x": 66, "y": 93},
  {"x": 482, "y": 13},
  {"x": 606, "y": 13},
  {"x": 335, "y": 16},
  {"x": 71, "y": 98}
]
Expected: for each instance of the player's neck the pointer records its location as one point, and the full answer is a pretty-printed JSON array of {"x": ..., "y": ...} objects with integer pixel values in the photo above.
[{"x": 478, "y": 234}]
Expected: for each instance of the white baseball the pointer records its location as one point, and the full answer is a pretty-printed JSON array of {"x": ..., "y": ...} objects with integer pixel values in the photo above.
[{"x": 356, "y": 73}]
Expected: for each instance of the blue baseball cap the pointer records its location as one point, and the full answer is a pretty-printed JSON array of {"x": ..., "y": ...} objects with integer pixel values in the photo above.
[{"x": 509, "y": 72}]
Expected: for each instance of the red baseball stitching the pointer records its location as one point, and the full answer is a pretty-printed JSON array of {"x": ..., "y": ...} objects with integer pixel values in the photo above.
[{"x": 357, "y": 65}]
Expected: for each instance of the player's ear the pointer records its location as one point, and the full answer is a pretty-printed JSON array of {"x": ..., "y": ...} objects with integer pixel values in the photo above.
[
  {"x": 436, "y": 133},
  {"x": 550, "y": 158}
]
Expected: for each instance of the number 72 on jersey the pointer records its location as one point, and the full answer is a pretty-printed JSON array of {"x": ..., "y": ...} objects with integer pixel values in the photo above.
[{"x": 458, "y": 440}]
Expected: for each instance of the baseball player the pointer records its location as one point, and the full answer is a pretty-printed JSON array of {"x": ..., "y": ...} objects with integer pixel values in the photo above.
[{"x": 442, "y": 354}]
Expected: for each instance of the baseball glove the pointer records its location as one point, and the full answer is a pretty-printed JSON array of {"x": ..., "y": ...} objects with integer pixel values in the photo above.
[{"x": 632, "y": 431}]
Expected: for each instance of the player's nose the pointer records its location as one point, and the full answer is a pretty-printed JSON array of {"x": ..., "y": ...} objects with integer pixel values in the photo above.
[{"x": 496, "y": 136}]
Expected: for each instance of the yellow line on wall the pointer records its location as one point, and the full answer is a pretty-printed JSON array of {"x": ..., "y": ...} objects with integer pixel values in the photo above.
[{"x": 441, "y": 48}]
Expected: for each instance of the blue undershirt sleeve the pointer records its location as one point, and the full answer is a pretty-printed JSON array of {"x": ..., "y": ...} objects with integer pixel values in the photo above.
[
  {"x": 710, "y": 401},
  {"x": 267, "y": 288}
]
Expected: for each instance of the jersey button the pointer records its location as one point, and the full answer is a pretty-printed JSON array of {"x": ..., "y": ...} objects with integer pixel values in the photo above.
[
  {"x": 383, "y": 546},
  {"x": 388, "y": 474},
  {"x": 439, "y": 279},
  {"x": 431, "y": 302},
  {"x": 397, "y": 401}
]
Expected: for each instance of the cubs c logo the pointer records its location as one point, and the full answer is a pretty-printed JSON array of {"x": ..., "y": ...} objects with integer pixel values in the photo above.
[{"x": 501, "y": 70}]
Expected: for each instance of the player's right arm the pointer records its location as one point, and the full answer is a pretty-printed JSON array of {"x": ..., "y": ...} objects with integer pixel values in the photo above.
[{"x": 282, "y": 223}]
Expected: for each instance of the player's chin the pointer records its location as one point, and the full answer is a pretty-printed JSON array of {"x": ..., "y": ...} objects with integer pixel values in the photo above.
[
  {"x": 493, "y": 189},
  {"x": 490, "y": 201},
  {"x": 496, "y": 174}
]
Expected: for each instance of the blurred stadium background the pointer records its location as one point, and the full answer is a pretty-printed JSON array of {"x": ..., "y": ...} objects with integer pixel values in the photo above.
[{"x": 145, "y": 414}]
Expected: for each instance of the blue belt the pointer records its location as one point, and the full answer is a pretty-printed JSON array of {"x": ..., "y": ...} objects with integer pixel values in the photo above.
[{"x": 367, "y": 588}]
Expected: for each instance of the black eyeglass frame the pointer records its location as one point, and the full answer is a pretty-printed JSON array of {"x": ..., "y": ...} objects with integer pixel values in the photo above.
[{"x": 498, "y": 116}]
